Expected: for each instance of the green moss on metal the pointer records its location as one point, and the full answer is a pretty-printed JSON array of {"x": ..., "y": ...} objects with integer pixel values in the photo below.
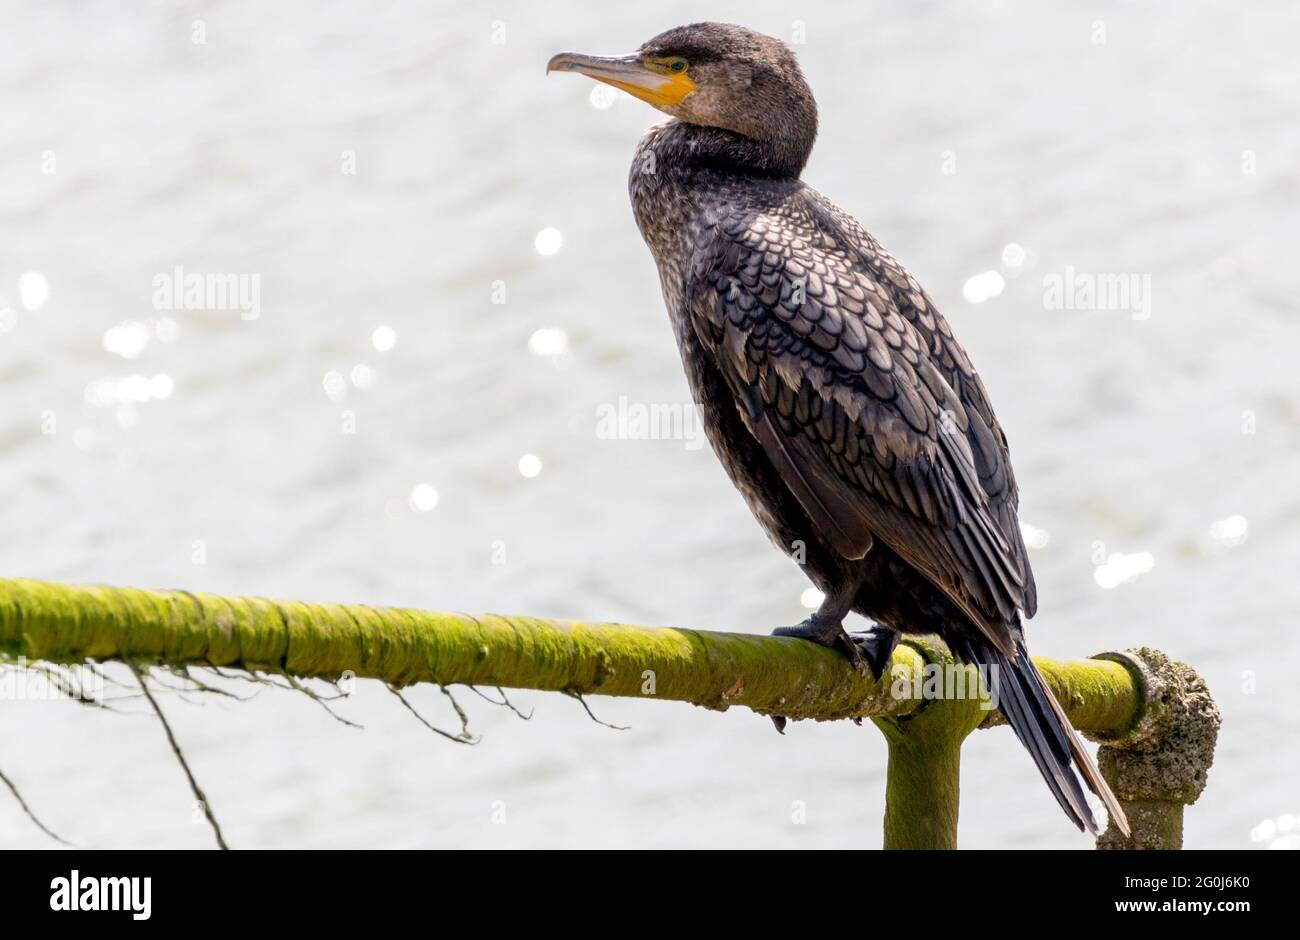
[
  {"x": 1101, "y": 697},
  {"x": 1156, "y": 824},
  {"x": 923, "y": 785},
  {"x": 770, "y": 675},
  {"x": 63, "y": 623},
  {"x": 1161, "y": 763}
]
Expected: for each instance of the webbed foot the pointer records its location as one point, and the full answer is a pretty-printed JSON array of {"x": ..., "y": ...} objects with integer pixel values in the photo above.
[
  {"x": 877, "y": 644},
  {"x": 830, "y": 632}
]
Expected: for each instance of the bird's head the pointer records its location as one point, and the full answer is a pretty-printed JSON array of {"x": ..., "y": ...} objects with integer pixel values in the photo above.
[{"x": 714, "y": 75}]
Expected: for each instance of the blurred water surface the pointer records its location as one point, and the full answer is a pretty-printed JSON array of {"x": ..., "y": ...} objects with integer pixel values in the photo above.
[{"x": 1112, "y": 139}]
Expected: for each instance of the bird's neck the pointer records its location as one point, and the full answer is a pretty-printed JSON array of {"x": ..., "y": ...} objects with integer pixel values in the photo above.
[
  {"x": 680, "y": 145},
  {"x": 680, "y": 172}
]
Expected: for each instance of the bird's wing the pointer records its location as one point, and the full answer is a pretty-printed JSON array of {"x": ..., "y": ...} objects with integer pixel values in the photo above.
[
  {"x": 988, "y": 442},
  {"x": 849, "y": 399}
]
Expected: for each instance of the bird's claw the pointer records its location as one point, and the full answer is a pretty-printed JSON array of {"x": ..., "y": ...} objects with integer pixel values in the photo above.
[
  {"x": 846, "y": 645},
  {"x": 877, "y": 643},
  {"x": 829, "y": 633}
]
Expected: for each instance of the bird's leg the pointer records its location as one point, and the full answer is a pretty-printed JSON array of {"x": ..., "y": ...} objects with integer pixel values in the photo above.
[
  {"x": 877, "y": 643},
  {"x": 826, "y": 625},
  {"x": 872, "y": 646}
]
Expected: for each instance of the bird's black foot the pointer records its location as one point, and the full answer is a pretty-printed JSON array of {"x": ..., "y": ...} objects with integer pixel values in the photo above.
[
  {"x": 877, "y": 644},
  {"x": 830, "y": 632}
]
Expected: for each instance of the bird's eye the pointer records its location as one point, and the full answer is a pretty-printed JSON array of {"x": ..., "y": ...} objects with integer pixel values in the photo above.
[{"x": 677, "y": 65}]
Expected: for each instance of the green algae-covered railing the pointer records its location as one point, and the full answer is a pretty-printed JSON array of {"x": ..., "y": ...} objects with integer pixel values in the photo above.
[{"x": 1154, "y": 718}]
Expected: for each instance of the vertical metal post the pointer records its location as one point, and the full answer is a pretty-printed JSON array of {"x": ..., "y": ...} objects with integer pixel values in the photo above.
[
  {"x": 923, "y": 787},
  {"x": 1161, "y": 764}
]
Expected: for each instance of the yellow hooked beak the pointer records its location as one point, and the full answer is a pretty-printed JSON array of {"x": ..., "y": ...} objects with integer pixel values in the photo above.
[{"x": 652, "y": 82}]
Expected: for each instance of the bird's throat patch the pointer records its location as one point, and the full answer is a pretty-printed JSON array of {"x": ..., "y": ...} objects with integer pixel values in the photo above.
[{"x": 672, "y": 91}]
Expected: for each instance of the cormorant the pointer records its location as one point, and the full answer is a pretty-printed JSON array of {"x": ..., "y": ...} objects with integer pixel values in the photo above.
[{"x": 834, "y": 393}]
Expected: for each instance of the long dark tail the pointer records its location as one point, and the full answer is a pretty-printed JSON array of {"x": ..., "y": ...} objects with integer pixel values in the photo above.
[{"x": 1040, "y": 723}]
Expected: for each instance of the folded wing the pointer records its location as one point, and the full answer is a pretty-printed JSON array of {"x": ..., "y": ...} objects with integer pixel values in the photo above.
[{"x": 859, "y": 395}]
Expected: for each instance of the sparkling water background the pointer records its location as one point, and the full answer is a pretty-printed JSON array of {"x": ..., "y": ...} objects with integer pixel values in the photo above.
[{"x": 1107, "y": 138}]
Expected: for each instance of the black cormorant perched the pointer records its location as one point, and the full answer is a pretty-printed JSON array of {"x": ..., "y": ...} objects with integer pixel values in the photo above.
[{"x": 834, "y": 393}]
